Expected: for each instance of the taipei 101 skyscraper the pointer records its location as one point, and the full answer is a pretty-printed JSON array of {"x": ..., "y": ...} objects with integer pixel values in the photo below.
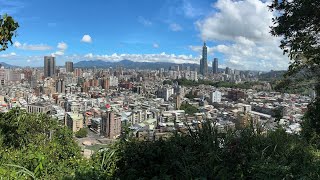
[{"x": 204, "y": 60}]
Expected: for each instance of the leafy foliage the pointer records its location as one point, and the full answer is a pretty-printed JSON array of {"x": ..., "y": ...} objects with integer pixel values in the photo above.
[
  {"x": 298, "y": 22},
  {"x": 311, "y": 125},
  {"x": 36, "y": 143},
  {"x": 190, "y": 95},
  {"x": 207, "y": 154},
  {"x": 81, "y": 133},
  {"x": 8, "y": 27},
  {"x": 188, "y": 108},
  {"x": 167, "y": 82},
  {"x": 201, "y": 153}
]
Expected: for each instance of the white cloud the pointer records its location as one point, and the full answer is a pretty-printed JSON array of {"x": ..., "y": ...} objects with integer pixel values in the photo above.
[
  {"x": 247, "y": 18},
  {"x": 243, "y": 55},
  {"x": 86, "y": 39},
  {"x": 162, "y": 57},
  {"x": 155, "y": 45},
  {"x": 90, "y": 55},
  {"x": 32, "y": 47},
  {"x": 241, "y": 29},
  {"x": 17, "y": 44},
  {"x": 198, "y": 49},
  {"x": 8, "y": 55},
  {"x": 144, "y": 21},
  {"x": 58, "y": 53},
  {"x": 62, "y": 46},
  {"x": 175, "y": 27}
]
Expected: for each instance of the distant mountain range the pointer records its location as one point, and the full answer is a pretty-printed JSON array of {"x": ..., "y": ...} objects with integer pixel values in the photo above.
[
  {"x": 7, "y": 65},
  {"x": 131, "y": 64},
  {"x": 128, "y": 64}
]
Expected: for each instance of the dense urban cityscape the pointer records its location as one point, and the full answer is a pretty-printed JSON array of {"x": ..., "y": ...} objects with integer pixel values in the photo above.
[
  {"x": 105, "y": 100},
  {"x": 172, "y": 89}
]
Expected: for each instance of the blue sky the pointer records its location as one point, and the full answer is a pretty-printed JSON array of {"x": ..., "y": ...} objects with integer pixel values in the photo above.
[{"x": 141, "y": 30}]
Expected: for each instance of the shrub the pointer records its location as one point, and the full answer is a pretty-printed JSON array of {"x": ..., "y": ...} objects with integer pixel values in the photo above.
[{"x": 81, "y": 133}]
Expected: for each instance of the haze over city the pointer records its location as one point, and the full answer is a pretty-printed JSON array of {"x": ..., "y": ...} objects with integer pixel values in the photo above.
[{"x": 236, "y": 32}]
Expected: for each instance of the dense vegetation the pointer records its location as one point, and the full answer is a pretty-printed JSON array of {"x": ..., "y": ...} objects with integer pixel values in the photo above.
[
  {"x": 35, "y": 146},
  {"x": 81, "y": 133},
  {"x": 297, "y": 22},
  {"x": 206, "y": 154},
  {"x": 37, "y": 143},
  {"x": 188, "y": 108},
  {"x": 190, "y": 95}
]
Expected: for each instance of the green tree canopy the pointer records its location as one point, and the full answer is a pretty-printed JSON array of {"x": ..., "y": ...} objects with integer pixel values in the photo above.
[
  {"x": 298, "y": 24},
  {"x": 81, "y": 133},
  {"x": 8, "y": 27}
]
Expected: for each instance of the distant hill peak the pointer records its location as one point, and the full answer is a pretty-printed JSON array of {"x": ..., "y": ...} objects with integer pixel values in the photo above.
[{"x": 6, "y": 65}]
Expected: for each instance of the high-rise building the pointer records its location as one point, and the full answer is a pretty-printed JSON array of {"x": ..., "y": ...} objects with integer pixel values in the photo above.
[
  {"x": 49, "y": 66},
  {"x": 69, "y": 66},
  {"x": 204, "y": 60},
  {"x": 228, "y": 70},
  {"x": 110, "y": 124},
  {"x": 215, "y": 66}
]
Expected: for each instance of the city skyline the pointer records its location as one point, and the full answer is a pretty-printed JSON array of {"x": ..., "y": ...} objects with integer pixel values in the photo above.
[{"x": 167, "y": 31}]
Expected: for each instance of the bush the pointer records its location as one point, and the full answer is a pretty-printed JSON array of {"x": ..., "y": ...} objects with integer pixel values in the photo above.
[
  {"x": 81, "y": 133},
  {"x": 208, "y": 154}
]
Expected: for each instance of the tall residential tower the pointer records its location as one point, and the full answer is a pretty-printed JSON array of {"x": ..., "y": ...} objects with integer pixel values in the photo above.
[
  {"x": 49, "y": 66},
  {"x": 215, "y": 66},
  {"x": 69, "y": 66}
]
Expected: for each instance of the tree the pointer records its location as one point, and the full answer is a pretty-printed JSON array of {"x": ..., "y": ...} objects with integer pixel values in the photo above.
[
  {"x": 36, "y": 143},
  {"x": 205, "y": 153},
  {"x": 81, "y": 133},
  {"x": 188, "y": 108},
  {"x": 8, "y": 27},
  {"x": 298, "y": 23}
]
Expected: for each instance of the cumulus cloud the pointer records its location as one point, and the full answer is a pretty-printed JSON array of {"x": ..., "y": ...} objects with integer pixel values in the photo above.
[
  {"x": 162, "y": 57},
  {"x": 32, "y": 47},
  {"x": 175, "y": 27},
  {"x": 244, "y": 55},
  {"x": 245, "y": 26},
  {"x": 155, "y": 45},
  {"x": 86, "y": 39},
  {"x": 144, "y": 21},
  {"x": 62, "y": 46}
]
